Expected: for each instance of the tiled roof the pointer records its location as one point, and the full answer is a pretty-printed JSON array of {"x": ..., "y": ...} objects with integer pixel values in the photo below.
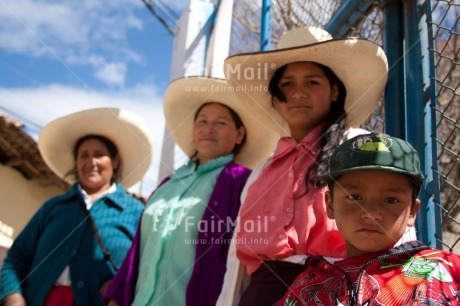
[{"x": 20, "y": 151}]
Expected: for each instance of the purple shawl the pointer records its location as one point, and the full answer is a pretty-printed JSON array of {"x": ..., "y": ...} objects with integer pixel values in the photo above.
[{"x": 210, "y": 259}]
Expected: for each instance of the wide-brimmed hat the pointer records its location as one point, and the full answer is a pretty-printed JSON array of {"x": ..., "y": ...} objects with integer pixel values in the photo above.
[
  {"x": 184, "y": 96},
  {"x": 361, "y": 65},
  {"x": 126, "y": 130},
  {"x": 375, "y": 152}
]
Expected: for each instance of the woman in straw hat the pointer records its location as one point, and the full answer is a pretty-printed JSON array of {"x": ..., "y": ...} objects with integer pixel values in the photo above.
[
  {"x": 320, "y": 90},
  {"x": 178, "y": 256},
  {"x": 68, "y": 252}
]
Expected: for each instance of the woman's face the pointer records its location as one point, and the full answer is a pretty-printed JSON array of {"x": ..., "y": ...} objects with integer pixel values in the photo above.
[
  {"x": 215, "y": 133},
  {"x": 95, "y": 167},
  {"x": 308, "y": 95}
]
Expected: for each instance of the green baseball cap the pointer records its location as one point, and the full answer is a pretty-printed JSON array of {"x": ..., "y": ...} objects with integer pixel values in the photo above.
[{"x": 377, "y": 152}]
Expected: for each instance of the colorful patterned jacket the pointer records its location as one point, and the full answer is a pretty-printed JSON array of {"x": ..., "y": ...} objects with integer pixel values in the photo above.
[{"x": 410, "y": 274}]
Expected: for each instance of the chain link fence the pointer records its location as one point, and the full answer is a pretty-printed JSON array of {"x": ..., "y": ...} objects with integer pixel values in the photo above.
[
  {"x": 446, "y": 34},
  {"x": 366, "y": 19}
]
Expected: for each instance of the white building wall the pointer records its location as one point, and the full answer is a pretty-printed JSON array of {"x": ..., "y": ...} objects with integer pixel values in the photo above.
[
  {"x": 193, "y": 31},
  {"x": 19, "y": 200}
]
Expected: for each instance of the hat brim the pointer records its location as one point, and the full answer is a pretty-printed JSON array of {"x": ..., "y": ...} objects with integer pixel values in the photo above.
[
  {"x": 126, "y": 130},
  {"x": 184, "y": 96},
  {"x": 360, "y": 64}
]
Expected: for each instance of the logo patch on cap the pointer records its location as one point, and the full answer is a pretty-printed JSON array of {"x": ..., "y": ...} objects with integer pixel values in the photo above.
[{"x": 372, "y": 143}]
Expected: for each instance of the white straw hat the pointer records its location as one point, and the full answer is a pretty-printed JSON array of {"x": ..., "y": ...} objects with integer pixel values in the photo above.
[
  {"x": 126, "y": 130},
  {"x": 361, "y": 65},
  {"x": 184, "y": 96}
]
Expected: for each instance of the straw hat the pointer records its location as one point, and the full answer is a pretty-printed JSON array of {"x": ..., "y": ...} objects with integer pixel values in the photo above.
[
  {"x": 360, "y": 64},
  {"x": 184, "y": 96},
  {"x": 126, "y": 130}
]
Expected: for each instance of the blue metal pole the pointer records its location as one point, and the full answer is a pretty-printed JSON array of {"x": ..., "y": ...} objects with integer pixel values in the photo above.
[
  {"x": 393, "y": 44},
  {"x": 209, "y": 26},
  {"x": 346, "y": 16},
  {"x": 265, "y": 29},
  {"x": 419, "y": 116},
  {"x": 431, "y": 129}
]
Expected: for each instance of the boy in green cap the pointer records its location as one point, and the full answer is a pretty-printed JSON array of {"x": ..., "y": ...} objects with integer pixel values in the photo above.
[{"x": 374, "y": 181}]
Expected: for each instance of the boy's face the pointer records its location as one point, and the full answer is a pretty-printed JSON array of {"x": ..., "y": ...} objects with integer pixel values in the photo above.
[{"x": 371, "y": 209}]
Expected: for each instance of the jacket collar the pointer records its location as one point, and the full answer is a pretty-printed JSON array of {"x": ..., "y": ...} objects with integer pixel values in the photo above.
[
  {"x": 114, "y": 198},
  {"x": 309, "y": 144},
  {"x": 191, "y": 169}
]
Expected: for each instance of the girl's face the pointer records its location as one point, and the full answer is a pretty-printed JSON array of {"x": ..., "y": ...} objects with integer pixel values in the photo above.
[
  {"x": 95, "y": 167},
  {"x": 308, "y": 97},
  {"x": 215, "y": 133}
]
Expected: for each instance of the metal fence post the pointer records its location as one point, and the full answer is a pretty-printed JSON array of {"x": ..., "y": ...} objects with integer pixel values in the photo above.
[
  {"x": 419, "y": 95},
  {"x": 265, "y": 29},
  {"x": 346, "y": 16},
  {"x": 393, "y": 38}
]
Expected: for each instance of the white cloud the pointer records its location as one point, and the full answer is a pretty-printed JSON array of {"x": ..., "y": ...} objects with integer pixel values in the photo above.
[
  {"x": 81, "y": 35},
  {"x": 112, "y": 74},
  {"x": 73, "y": 31},
  {"x": 30, "y": 24}
]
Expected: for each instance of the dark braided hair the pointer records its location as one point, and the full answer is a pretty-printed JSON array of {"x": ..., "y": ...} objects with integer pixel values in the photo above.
[{"x": 335, "y": 120}]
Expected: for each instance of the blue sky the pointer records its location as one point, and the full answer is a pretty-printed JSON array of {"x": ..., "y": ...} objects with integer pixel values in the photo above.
[{"x": 58, "y": 57}]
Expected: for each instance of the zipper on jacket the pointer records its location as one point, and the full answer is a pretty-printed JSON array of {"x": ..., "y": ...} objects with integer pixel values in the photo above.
[
  {"x": 351, "y": 293},
  {"x": 353, "y": 288}
]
